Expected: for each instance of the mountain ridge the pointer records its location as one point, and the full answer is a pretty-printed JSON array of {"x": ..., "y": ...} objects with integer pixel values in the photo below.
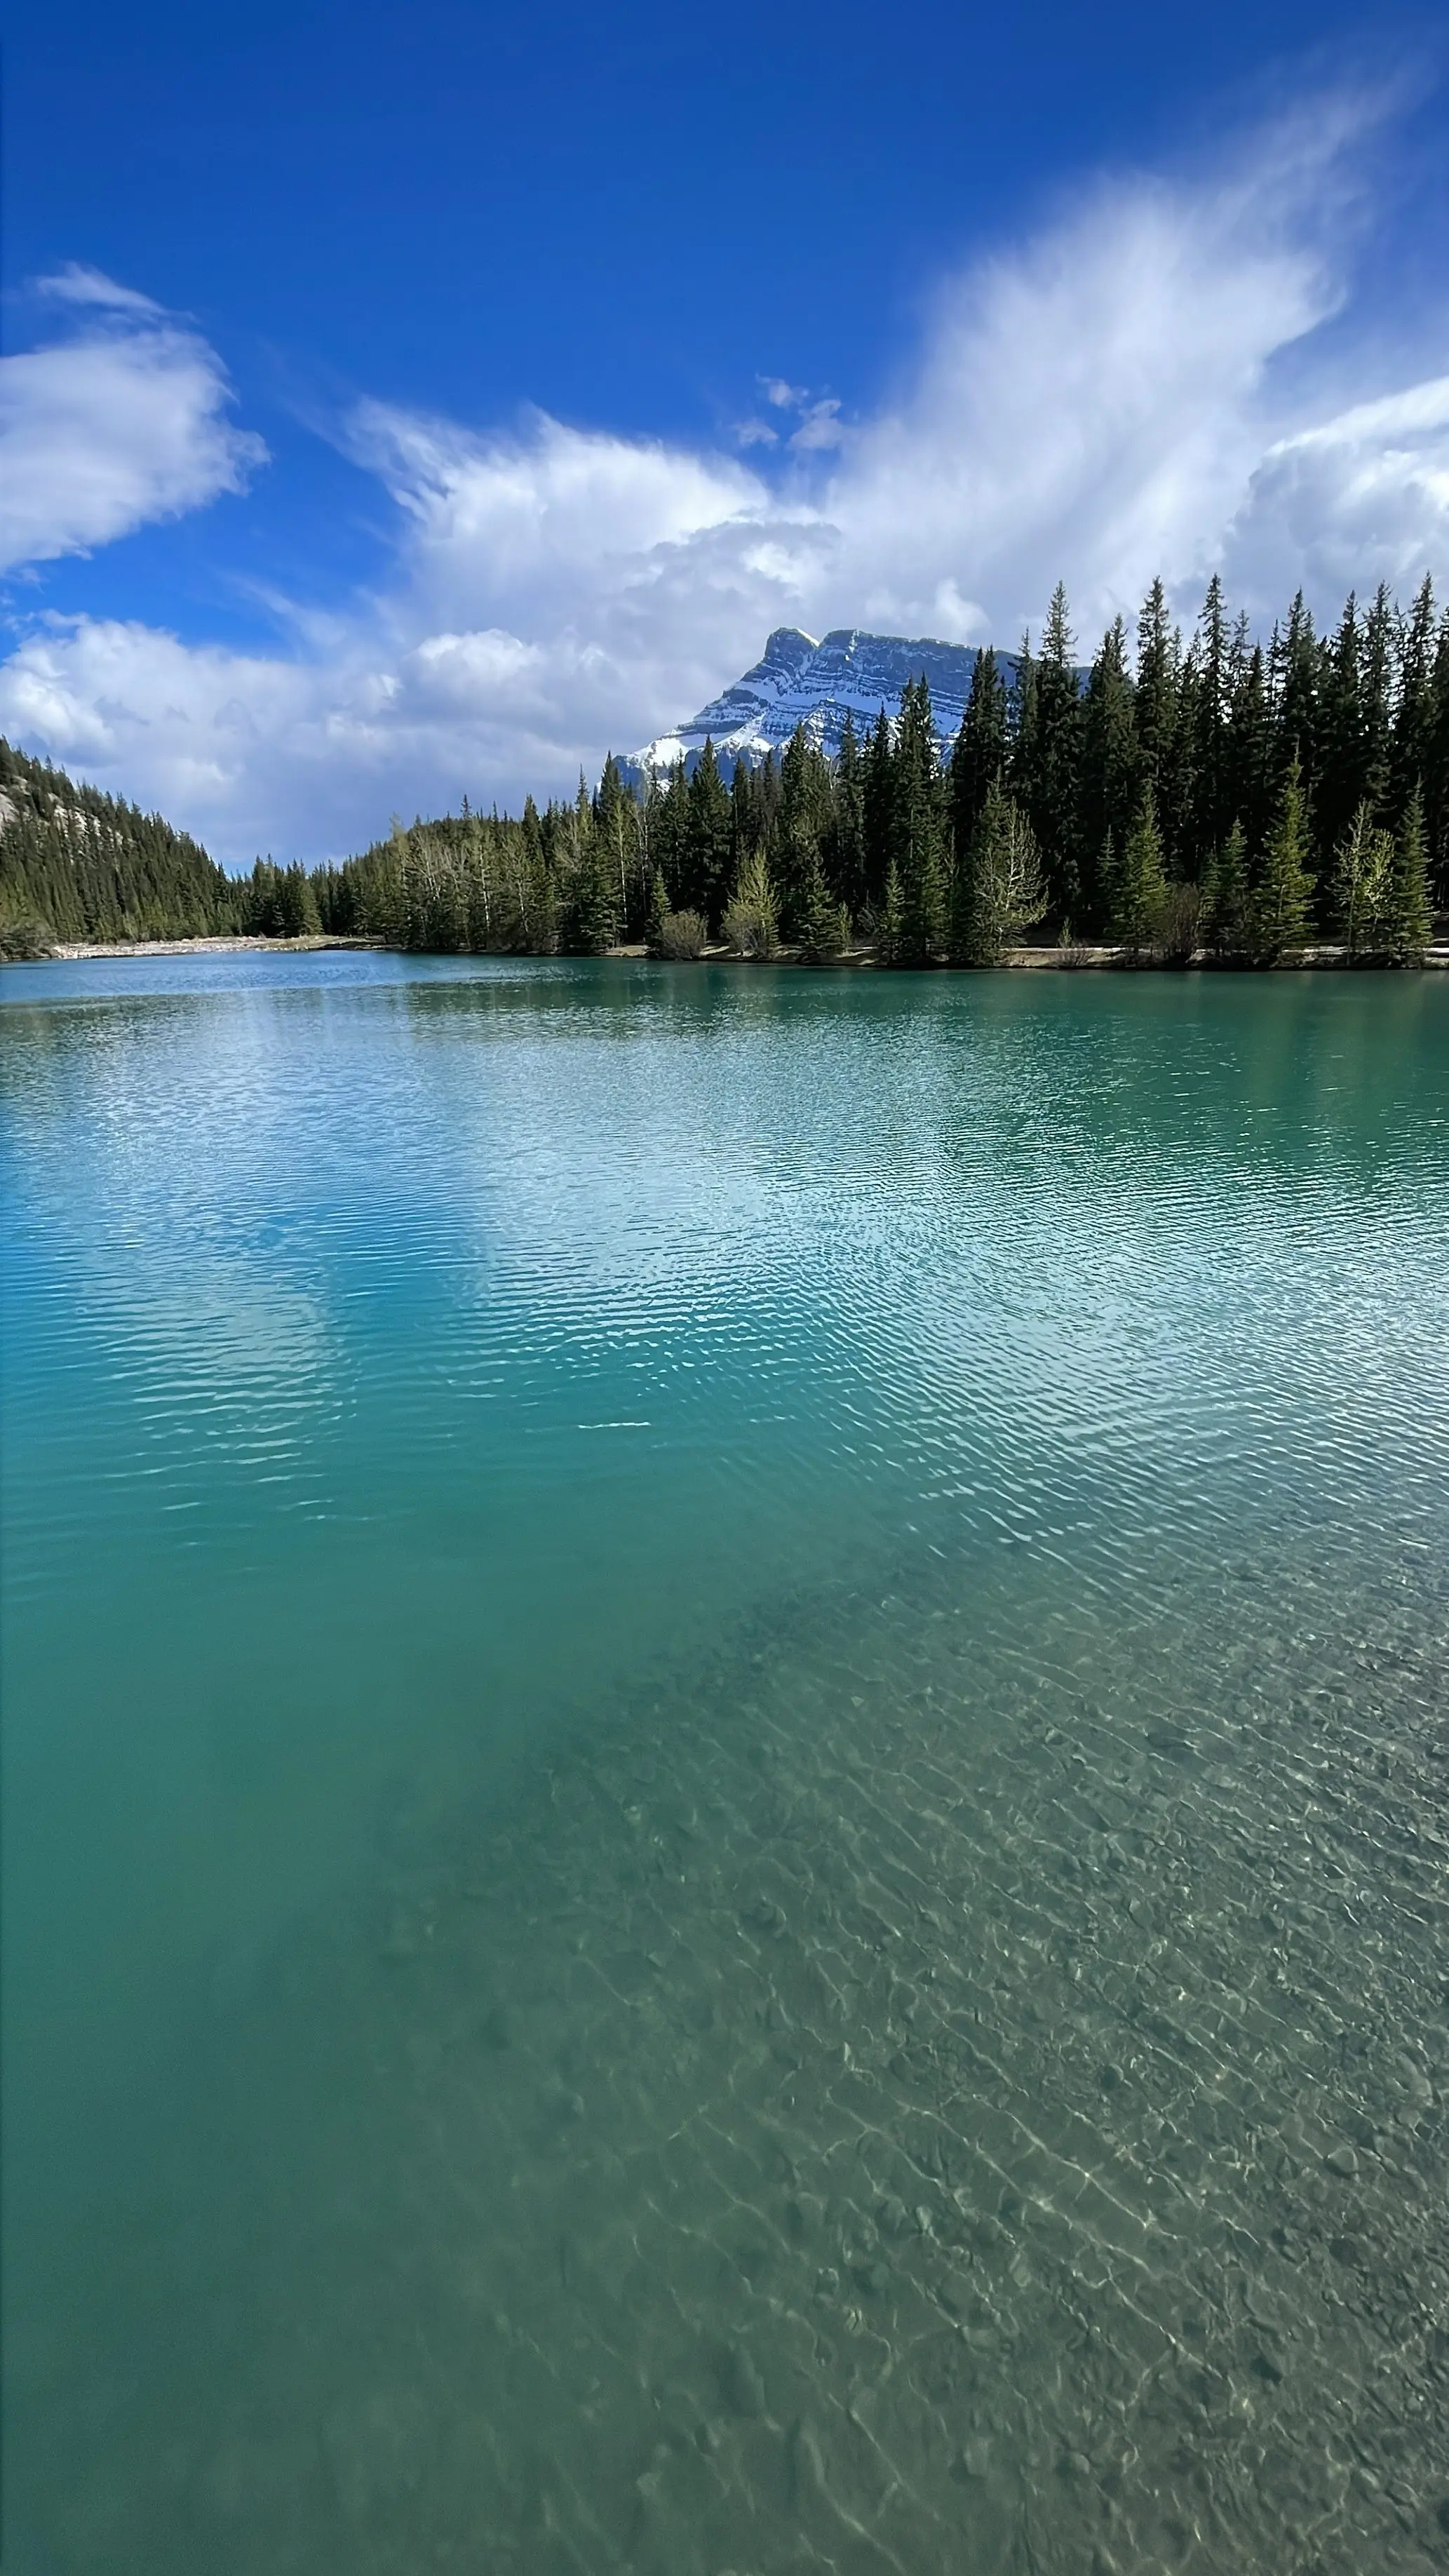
[{"x": 816, "y": 682}]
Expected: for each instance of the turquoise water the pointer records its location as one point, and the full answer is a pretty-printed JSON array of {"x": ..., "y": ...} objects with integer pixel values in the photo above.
[{"x": 724, "y": 1770}]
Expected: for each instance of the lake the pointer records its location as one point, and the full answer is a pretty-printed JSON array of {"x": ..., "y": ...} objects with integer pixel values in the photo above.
[{"x": 725, "y": 1811}]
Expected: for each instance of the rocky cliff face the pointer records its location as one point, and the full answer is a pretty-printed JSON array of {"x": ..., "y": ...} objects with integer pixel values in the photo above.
[{"x": 797, "y": 681}]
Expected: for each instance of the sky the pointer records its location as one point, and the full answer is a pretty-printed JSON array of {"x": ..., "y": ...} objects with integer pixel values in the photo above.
[{"x": 398, "y": 404}]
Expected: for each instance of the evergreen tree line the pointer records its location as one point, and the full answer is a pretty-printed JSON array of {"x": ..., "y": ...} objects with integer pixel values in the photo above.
[
  {"x": 1199, "y": 791},
  {"x": 77, "y": 864},
  {"x": 1186, "y": 792}
]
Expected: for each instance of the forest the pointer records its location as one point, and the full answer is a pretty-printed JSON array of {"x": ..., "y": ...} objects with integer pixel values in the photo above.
[
  {"x": 1206, "y": 792},
  {"x": 1185, "y": 795},
  {"x": 77, "y": 864}
]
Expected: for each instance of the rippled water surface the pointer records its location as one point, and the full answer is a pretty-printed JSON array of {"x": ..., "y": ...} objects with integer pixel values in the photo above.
[{"x": 724, "y": 1772}]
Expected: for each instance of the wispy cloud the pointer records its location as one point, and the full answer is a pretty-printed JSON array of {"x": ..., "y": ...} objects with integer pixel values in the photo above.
[
  {"x": 1134, "y": 389},
  {"x": 76, "y": 284},
  {"x": 123, "y": 422}
]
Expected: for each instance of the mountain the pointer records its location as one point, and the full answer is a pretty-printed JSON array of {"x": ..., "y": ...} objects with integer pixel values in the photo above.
[
  {"x": 800, "y": 681},
  {"x": 77, "y": 864}
]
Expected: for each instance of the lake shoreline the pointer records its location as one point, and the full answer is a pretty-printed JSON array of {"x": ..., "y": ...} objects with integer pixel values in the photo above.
[{"x": 1080, "y": 957}]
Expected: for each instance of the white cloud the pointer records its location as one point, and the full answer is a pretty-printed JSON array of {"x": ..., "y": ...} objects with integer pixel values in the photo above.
[
  {"x": 76, "y": 284},
  {"x": 1360, "y": 498},
  {"x": 124, "y": 423},
  {"x": 821, "y": 426},
  {"x": 1130, "y": 391}
]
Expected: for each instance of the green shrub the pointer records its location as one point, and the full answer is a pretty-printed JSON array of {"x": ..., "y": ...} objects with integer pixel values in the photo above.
[{"x": 682, "y": 934}]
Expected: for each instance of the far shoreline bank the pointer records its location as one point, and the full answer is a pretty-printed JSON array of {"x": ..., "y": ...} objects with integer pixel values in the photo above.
[{"x": 1080, "y": 957}]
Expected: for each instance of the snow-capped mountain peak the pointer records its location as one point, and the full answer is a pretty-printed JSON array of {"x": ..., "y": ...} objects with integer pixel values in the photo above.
[{"x": 798, "y": 681}]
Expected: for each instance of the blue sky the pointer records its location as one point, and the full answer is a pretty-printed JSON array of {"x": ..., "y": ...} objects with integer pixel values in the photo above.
[{"x": 402, "y": 402}]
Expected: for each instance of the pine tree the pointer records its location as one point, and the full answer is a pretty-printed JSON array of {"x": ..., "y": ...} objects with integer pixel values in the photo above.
[
  {"x": 1376, "y": 696},
  {"x": 752, "y": 921},
  {"x": 998, "y": 889},
  {"x": 1278, "y": 917},
  {"x": 1226, "y": 896},
  {"x": 1250, "y": 779},
  {"x": 1209, "y": 697},
  {"x": 1436, "y": 770},
  {"x": 1137, "y": 893},
  {"x": 1362, "y": 868},
  {"x": 1155, "y": 704},
  {"x": 846, "y": 868},
  {"x": 1294, "y": 671},
  {"x": 1408, "y": 922},
  {"x": 876, "y": 804},
  {"x": 1339, "y": 776},
  {"x": 1049, "y": 745},
  {"x": 537, "y": 895},
  {"x": 890, "y": 939},
  {"x": 802, "y": 822},
  {"x": 918, "y": 831},
  {"x": 1107, "y": 794},
  {"x": 822, "y": 926},
  {"x": 706, "y": 868},
  {"x": 1413, "y": 723},
  {"x": 616, "y": 828},
  {"x": 980, "y": 750},
  {"x": 669, "y": 832},
  {"x": 658, "y": 914},
  {"x": 745, "y": 832}
]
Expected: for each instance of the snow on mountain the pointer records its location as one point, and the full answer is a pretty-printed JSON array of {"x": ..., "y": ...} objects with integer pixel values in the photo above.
[{"x": 800, "y": 681}]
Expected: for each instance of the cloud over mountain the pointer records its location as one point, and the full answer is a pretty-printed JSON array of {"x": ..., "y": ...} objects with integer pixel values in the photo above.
[{"x": 1138, "y": 387}]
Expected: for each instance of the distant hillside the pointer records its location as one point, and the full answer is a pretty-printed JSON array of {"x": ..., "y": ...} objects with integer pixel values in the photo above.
[
  {"x": 798, "y": 681},
  {"x": 81, "y": 865}
]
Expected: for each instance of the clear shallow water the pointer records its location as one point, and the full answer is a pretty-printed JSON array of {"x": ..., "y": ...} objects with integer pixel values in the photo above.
[{"x": 724, "y": 1770}]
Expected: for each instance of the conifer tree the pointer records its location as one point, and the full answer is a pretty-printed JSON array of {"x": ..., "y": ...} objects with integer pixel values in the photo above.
[
  {"x": 1107, "y": 795},
  {"x": 1137, "y": 893},
  {"x": 1339, "y": 773},
  {"x": 1413, "y": 721},
  {"x": 536, "y": 894},
  {"x": 1208, "y": 691},
  {"x": 1362, "y": 868},
  {"x": 998, "y": 889},
  {"x": 918, "y": 831},
  {"x": 980, "y": 750},
  {"x": 745, "y": 832},
  {"x": 657, "y": 915},
  {"x": 1376, "y": 693},
  {"x": 1250, "y": 777},
  {"x": 616, "y": 828},
  {"x": 1155, "y": 700},
  {"x": 1294, "y": 688},
  {"x": 1227, "y": 895},
  {"x": 706, "y": 867},
  {"x": 802, "y": 822},
  {"x": 669, "y": 834},
  {"x": 822, "y": 925},
  {"x": 846, "y": 869},
  {"x": 752, "y": 921},
  {"x": 1436, "y": 770},
  {"x": 1278, "y": 916},
  {"x": 890, "y": 939},
  {"x": 876, "y": 804},
  {"x": 1408, "y": 921},
  {"x": 1051, "y": 755}
]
